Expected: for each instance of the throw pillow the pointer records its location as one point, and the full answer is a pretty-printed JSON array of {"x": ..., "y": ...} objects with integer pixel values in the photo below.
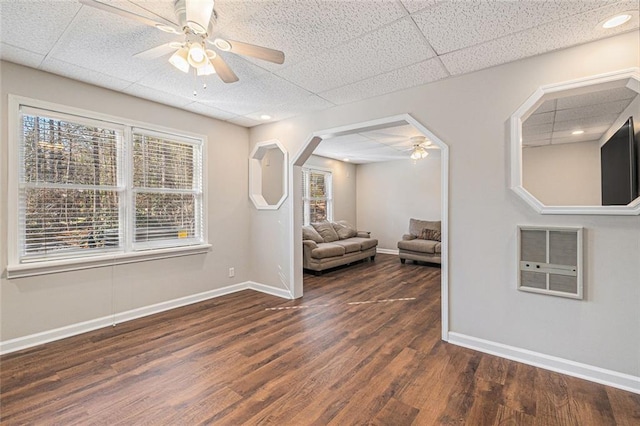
[
  {"x": 430, "y": 234},
  {"x": 326, "y": 231},
  {"x": 344, "y": 229},
  {"x": 416, "y": 226},
  {"x": 308, "y": 233}
]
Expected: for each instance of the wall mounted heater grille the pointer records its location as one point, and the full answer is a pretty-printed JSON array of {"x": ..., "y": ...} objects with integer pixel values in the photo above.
[{"x": 550, "y": 260}]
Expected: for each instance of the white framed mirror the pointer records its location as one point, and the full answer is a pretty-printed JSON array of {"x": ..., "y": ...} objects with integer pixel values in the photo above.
[
  {"x": 268, "y": 175},
  {"x": 561, "y": 138}
]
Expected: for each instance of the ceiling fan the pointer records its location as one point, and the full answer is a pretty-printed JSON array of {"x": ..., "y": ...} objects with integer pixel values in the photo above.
[
  {"x": 420, "y": 146},
  {"x": 196, "y": 19}
]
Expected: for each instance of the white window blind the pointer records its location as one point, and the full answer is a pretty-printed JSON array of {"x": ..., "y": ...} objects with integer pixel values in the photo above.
[
  {"x": 88, "y": 187},
  {"x": 68, "y": 187},
  {"x": 167, "y": 191},
  {"x": 317, "y": 195}
]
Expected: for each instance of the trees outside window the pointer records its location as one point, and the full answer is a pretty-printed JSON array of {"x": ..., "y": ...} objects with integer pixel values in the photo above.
[
  {"x": 89, "y": 187},
  {"x": 318, "y": 195}
]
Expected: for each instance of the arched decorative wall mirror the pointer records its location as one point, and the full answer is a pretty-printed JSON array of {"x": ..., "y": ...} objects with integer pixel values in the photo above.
[
  {"x": 268, "y": 168},
  {"x": 574, "y": 149}
]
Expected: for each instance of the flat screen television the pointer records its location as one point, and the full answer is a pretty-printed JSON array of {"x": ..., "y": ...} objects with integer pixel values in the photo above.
[{"x": 619, "y": 163}]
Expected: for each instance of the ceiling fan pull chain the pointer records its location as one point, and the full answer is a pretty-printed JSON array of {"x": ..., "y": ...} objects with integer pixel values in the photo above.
[{"x": 195, "y": 82}]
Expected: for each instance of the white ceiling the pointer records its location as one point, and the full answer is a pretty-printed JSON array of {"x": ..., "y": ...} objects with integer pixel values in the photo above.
[
  {"x": 554, "y": 121},
  {"x": 392, "y": 143},
  {"x": 336, "y": 51}
]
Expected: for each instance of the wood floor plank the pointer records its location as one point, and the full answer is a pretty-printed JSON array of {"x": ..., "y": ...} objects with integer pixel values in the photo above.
[{"x": 361, "y": 347}]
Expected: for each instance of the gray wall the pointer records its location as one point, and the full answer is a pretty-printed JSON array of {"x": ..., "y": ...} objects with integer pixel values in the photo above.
[
  {"x": 36, "y": 304},
  {"x": 471, "y": 114},
  {"x": 391, "y": 192},
  {"x": 565, "y": 174}
]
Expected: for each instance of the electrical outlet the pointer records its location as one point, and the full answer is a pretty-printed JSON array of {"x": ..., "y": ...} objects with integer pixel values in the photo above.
[{"x": 232, "y": 272}]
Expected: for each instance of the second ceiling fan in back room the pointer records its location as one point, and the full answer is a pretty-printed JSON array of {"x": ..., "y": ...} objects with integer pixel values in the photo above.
[{"x": 196, "y": 19}]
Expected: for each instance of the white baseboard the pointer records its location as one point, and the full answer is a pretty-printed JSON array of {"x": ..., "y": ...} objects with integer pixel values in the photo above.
[
  {"x": 285, "y": 294},
  {"x": 386, "y": 251},
  {"x": 31, "y": 340},
  {"x": 560, "y": 365}
]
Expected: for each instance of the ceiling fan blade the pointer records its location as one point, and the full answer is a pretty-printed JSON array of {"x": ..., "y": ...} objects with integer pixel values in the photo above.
[
  {"x": 159, "y": 23},
  {"x": 252, "y": 50},
  {"x": 158, "y": 51},
  {"x": 199, "y": 14},
  {"x": 223, "y": 70}
]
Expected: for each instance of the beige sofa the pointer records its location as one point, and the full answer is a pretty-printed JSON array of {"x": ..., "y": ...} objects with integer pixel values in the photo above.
[
  {"x": 330, "y": 244},
  {"x": 422, "y": 243}
]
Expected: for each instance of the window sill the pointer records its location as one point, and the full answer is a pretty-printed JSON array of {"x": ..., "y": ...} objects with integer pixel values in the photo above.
[{"x": 67, "y": 265}]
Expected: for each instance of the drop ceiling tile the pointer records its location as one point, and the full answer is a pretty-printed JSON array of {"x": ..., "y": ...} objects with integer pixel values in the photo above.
[
  {"x": 538, "y": 129},
  {"x": 402, "y": 78},
  {"x": 258, "y": 95},
  {"x": 44, "y": 21},
  {"x": 413, "y": 6},
  {"x": 451, "y": 26},
  {"x": 208, "y": 111},
  {"x": 302, "y": 28},
  {"x": 573, "y": 30},
  {"x": 609, "y": 108},
  {"x": 585, "y": 122},
  {"x": 20, "y": 56},
  {"x": 548, "y": 105},
  {"x": 167, "y": 78},
  {"x": 82, "y": 74},
  {"x": 539, "y": 118},
  {"x": 105, "y": 42},
  {"x": 158, "y": 96},
  {"x": 394, "y": 46},
  {"x": 244, "y": 121},
  {"x": 291, "y": 109},
  {"x": 595, "y": 98}
]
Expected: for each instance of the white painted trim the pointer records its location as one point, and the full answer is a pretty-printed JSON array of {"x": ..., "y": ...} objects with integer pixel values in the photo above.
[
  {"x": 295, "y": 225},
  {"x": 628, "y": 77},
  {"x": 386, "y": 251},
  {"x": 255, "y": 174},
  {"x": 603, "y": 376},
  {"x": 36, "y": 339},
  {"x": 273, "y": 291}
]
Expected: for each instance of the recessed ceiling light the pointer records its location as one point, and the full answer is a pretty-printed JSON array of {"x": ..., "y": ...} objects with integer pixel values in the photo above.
[
  {"x": 265, "y": 117},
  {"x": 577, "y": 132},
  {"x": 346, "y": 159},
  {"x": 616, "y": 21}
]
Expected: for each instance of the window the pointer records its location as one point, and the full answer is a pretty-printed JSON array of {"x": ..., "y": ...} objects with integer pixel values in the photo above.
[
  {"x": 88, "y": 187},
  {"x": 318, "y": 195}
]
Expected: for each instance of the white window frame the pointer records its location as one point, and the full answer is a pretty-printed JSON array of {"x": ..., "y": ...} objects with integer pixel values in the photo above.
[
  {"x": 306, "y": 196},
  {"x": 128, "y": 252}
]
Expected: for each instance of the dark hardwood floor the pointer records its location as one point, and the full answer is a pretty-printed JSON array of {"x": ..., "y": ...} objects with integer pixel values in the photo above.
[{"x": 361, "y": 347}]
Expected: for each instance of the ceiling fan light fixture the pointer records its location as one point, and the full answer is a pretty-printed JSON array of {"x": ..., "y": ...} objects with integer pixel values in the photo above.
[
  {"x": 197, "y": 57},
  {"x": 180, "y": 59},
  {"x": 206, "y": 69},
  {"x": 418, "y": 152},
  {"x": 221, "y": 44}
]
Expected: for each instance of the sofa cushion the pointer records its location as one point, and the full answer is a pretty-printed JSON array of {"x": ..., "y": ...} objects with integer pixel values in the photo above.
[
  {"x": 430, "y": 234},
  {"x": 349, "y": 245},
  {"x": 365, "y": 243},
  {"x": 309, "y": 233},
  {"x": 325, "y": 229},
  {"x": 416, "y": 226},
  {"x": 344, "y": 229},
  {"x": 325, "y": 250},
  {"x": 419, "y": 245}
]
